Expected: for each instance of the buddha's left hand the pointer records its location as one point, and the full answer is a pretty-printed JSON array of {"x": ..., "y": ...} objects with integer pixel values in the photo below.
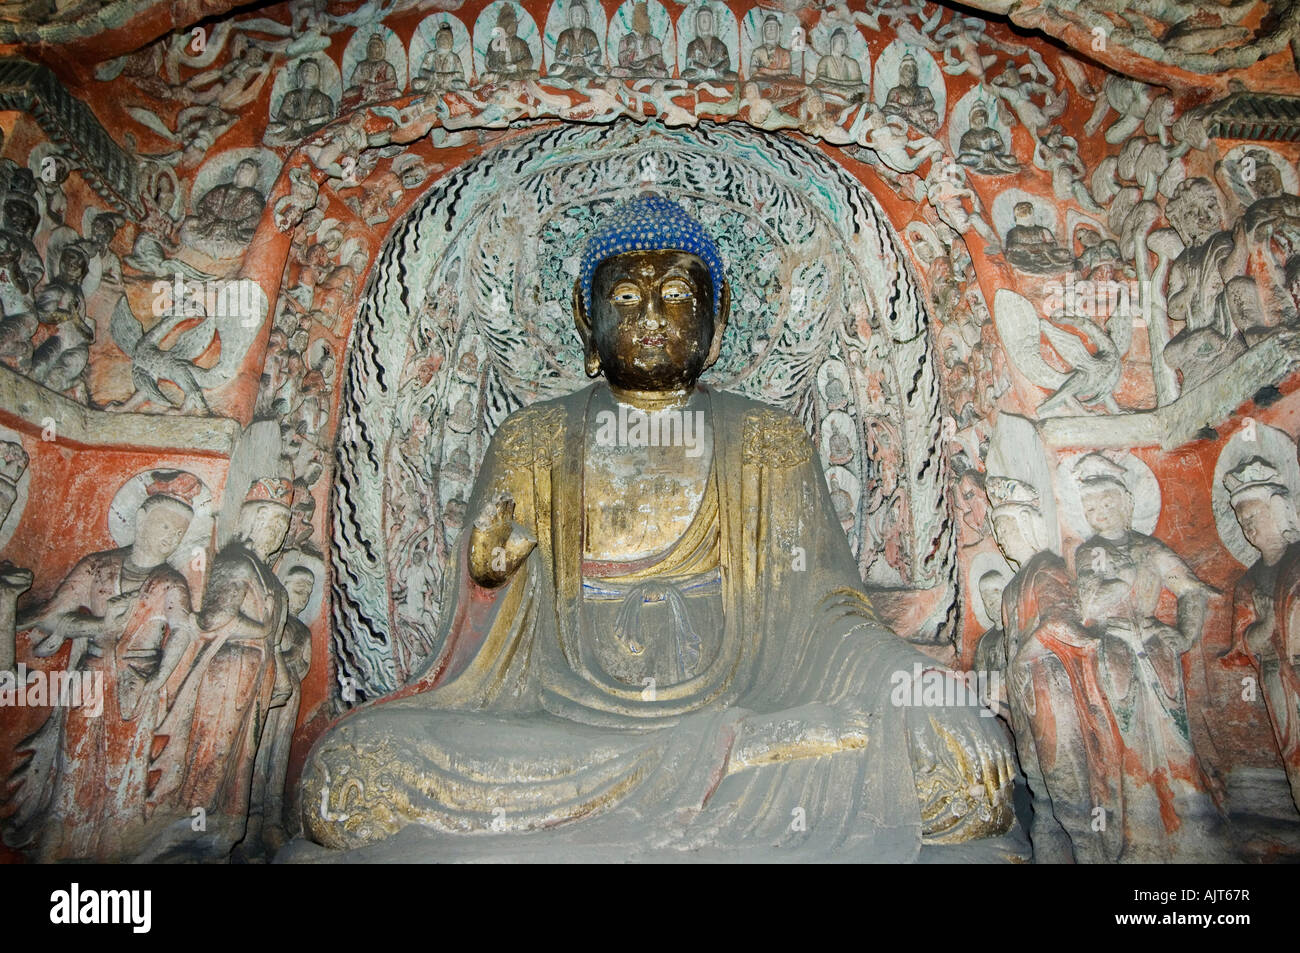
[{"x": 961, "y": 760}]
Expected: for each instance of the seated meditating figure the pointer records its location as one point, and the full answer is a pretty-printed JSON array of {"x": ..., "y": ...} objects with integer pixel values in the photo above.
[
  {"x": 509, "y": 57},
  {"x": 982, "y": 148},
  {"x": 228, "y": 214},
  {"x": 1033, "y": 248},
  {"x": 373, "y": 79},
  {"x": 838, "y": 73},
  {"x": 658, "y": 646},
  {"x": 707, "y": 56},
  {"x": 770, "y": 62},
  {"x": 577, "y": 49},
  {"x": 910, "y": 100},
  {"x": 640, "y": 54},
  {"x": 304, "y": 109},
  {"x": 442, "y": 67}
]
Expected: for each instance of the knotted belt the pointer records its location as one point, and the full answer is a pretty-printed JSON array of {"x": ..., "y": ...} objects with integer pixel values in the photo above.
[{"x": 635, "y": 596}]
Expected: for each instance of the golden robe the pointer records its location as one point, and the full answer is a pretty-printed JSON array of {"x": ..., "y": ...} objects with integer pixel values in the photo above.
[{"x": 516, "y": 734}]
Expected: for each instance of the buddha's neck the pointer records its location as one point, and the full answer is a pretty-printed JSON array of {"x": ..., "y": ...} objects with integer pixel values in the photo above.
[{"x": 653, "y": 400}]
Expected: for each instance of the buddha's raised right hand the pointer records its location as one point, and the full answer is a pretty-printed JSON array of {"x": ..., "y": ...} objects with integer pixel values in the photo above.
[{"x": 497, "y": 544}]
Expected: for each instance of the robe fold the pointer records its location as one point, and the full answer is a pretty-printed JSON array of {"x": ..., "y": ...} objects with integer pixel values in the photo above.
[
  {"x": 1273, "y": 646},
  {"x": 515, "y": 731},
  {"x": 97, "y": 782}
]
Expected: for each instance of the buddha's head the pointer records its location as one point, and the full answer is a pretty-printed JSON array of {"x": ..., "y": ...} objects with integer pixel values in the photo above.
[
  {"x": 979, "y": 117},
  {"x": 1267, "y": 180},
  {"x": 264, "y": 517},
  {"x": 164, "y": 517},
  {"x": 308, "y": 75},
  {"x": 907, "y": 72},
  {"x": 73, "y": 263},
  {"x": 641, "y": 19},
  {"x": 1194, "y": 211},
  {"x": 160, "y": 525},
  {"x": 507, "y": 21},
  {"x": 246, "y": 173},
  {"x": 704, "y": 22},
  {"x": 839, "y": 42},
  {"x": 104, "y": 228},
  {"x": 578, "y": 16},
  {"x": 651, "y": 300},
  {"x": 1019, "y": 527},
  {"x": 1264, "y": 508},
  {"x": 1024, "y": 213},
  {"x": 991, "y": 585},
  {"x": 21, "y": 213},
  {"x": 375, "y": 48},
  {"x": 299, "y": 584},
  {"x": 444, "y": 40},
  {"x": 771, "y": 30},
  {"x": 1103, "y": 490}
]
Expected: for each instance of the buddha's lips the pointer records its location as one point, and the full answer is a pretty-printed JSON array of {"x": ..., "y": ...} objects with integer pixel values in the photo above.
[{"x": 653, "y": 341}]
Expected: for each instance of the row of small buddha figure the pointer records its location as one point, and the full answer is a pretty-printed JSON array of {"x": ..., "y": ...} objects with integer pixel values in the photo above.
[
  {"x": 184, "y": 752},
  {"x": 578, "y": 55}
]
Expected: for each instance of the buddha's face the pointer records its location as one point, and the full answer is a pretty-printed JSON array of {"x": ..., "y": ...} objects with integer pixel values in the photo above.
[
  {"x": 907, "y": 74},
  {"x": 652, "y": 322},
  {"x": 578, "y": 16},
  {"x": 263, "y": 526},
  {"x": 1269, "y": 523},
  {"x": 72, "y": 266},
  {"x": 1268, "y": 180},
  {"x": 375, "y": 48},
  {"x": 299, "y": 587},
  {"x": 978, "y": 119},
  {"x": 309, "y": 75},
  {"x": 991, "y": 585},
  {"x": 704, "y": 23},
  {"x": 102, "y": 231},
  {"x": 246, "y": 174},
  {"x": 641, "y": 19},
  {"x": 771, "y": 30},
  {"x": 1108, "y": 510},
  {"x": 164, "y": 192},
  {"x": 159, "y": 528},
  {"x": 1016, "y": 530},
  {"x": 838, "y": 43}
]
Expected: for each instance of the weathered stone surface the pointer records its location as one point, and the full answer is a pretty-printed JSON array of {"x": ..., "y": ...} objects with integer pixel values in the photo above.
[{"x": 336, "y": 249}]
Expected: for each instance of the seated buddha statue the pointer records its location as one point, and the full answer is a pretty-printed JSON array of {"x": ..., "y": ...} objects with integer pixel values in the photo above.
[{"x": 658, "y": 645}]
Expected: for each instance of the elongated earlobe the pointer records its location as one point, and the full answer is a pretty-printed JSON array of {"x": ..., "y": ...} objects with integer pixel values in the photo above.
[
  {"x": 591, "y": 358},
  {"x": 719, "y": 325}
]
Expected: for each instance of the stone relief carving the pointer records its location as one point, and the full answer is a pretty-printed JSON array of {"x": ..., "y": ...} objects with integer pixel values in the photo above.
[
  {"x": 124, "y": 616},
  {"x": 1202, "y": 236},
  {"x": 1254, "y": 502},
  {"x": 874, "y": 470}
]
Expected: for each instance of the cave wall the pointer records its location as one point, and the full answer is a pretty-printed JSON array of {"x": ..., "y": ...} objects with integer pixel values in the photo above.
[{"x": 223, "y": 169}]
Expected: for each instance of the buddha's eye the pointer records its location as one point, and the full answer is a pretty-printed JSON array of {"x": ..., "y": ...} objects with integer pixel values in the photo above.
[
  {"x": 625, "y": 294},
  {"x": 677, "y": 290}
]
